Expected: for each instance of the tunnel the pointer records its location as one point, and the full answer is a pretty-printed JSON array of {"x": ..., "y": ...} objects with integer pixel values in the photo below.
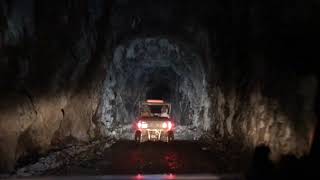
[
  {"x": 241, "y": 76},
  {"x": 155, "y": 68}
]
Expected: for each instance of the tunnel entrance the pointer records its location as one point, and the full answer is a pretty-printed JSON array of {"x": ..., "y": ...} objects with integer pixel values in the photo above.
[
  {"x": 157, "y": 68},
  {"x": 161, "y": 84}
]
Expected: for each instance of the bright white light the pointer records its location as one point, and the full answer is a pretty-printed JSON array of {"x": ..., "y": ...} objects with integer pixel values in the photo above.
[
  {"x": 164, "y": 125},
  {"x": 144, "y": 125},
  {"x": 169, "y": 125}
]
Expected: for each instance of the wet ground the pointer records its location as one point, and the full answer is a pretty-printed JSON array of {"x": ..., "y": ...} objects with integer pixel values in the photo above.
[
  {"x": 127, "y": 157},
  {"x": 146, "y": 177},
  {"x": 151, "y": 157},
  {"x": 156, "y": 160}
]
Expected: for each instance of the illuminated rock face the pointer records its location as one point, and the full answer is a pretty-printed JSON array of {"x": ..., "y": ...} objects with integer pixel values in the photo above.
[
  {"x": 258, "y": 119},
  {"x": 75, "y": 71},
  {"x": 156, "y": 68},
  {"x": 49, "y": 81}
]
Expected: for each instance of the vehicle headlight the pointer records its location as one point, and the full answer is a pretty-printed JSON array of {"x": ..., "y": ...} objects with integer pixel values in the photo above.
[
  {"x": 142, "y": 125},
  {"x": 164, "y": 125}
]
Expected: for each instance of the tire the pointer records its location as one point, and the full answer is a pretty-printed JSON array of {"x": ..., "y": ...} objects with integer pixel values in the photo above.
[
  {"x": 137, "y": 137},
  {"x": 170, "y": 136}
]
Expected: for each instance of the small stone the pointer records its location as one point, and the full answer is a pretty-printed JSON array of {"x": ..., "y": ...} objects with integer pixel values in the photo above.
[
  {"x": 107, "y": 145},
  {"x": 205, "y": 148}
]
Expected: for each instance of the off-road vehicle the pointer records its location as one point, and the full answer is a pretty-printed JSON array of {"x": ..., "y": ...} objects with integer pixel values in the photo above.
[{"x": 154, "y": 122}]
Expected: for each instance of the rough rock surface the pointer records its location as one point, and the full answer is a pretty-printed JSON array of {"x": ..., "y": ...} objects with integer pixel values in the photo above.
[
  {"x": 72, "y": 71},
  {"x": 62, "y": 158},
  {"x": 146, "y": 66},
  {"x": 49, "y": 91}
]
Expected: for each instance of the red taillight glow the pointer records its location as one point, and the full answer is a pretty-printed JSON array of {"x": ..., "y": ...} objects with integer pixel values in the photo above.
[
  {"x": 171, "y": 176},
  {"x": 139, "y": 176}
]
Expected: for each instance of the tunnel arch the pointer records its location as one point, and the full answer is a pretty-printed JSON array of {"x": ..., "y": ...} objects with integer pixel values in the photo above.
[{"x": 155, "y": 67}]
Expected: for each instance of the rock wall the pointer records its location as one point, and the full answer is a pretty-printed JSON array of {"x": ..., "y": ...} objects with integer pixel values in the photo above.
[
  {"x": 156, "y": 68},
  {"x": 53, "y": 60},
  {"x": 286, "y": 126},
  {"x": 250, "y": 75},
  {"x": 264, "y": 81}
]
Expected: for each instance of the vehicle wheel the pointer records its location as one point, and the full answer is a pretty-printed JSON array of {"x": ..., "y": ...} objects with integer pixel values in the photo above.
[
  {"x": 137, "y": 137},
  {"x": 170, "y": 136}
]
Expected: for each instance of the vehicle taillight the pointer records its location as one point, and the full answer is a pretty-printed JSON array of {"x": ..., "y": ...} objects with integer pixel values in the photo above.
[{"x": 142, "y": 125}]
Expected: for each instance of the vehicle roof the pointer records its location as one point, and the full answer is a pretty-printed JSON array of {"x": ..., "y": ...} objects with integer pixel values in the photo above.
[
  {"x": 155, "y": 102},
  {"x": 148, "y": 103}
]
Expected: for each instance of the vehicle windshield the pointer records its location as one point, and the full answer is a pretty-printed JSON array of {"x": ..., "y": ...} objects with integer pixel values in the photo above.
[{"x": 155, "y": 110}]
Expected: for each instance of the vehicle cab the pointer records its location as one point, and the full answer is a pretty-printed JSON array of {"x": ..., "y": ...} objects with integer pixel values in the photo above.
[{"x": 154, "y": 122}]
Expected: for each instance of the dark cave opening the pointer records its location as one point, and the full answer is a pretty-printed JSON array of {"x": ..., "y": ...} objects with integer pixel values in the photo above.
[
  {"x": 160, "y": 83},
  {"x": 159, "y": 90}
]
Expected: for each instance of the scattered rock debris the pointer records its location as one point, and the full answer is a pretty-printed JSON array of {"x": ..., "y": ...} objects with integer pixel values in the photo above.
[{"x": 64, "y": 157}]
